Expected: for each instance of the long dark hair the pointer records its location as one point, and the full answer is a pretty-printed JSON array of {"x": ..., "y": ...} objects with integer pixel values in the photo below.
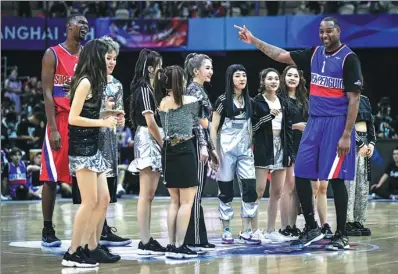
[
  {"x": 194, "y": 61},
  {"x": 141, "y": 77},
  {"x": 92, "y": 66},
  {"x": 262, "y": 75},
  {"x": 229, "y": 91},
  {"x": 301, "y": 90},
  {"x": 170, "y": 78}
]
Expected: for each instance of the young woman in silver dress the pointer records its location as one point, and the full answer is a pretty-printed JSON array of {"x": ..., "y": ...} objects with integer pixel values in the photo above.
[
  {"x": 85, "y": 157},
  {"x": 148, "y": 143}
]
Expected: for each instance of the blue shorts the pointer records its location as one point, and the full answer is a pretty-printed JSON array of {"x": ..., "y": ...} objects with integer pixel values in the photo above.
[{"x": 317, "y": 155}]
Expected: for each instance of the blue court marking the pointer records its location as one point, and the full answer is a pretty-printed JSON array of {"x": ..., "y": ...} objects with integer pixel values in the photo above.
[{"x": 130, "y": 252}]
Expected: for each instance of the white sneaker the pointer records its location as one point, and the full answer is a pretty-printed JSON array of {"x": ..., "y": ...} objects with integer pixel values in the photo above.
[
  {"x": 6, "y": 198},
  {"x": 288, "y": 238},
  {"x": 259, "y": 234},
  {"x": 247, "y": 238},
  {"x": 227, "y": 237},
  {"x": 276, "y": 237},
  {"x": 120, "y": 190}
]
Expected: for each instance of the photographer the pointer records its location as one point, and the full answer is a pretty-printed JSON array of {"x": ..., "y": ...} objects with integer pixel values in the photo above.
[
  {"x": 390, "y": 175},
  {"x": 384, "y": 123}
]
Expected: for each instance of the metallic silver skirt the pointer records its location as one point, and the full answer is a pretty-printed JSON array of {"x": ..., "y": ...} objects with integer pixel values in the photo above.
[
  {"x": 146, "y": 151},
  {"x": 278, "y": 154},
  {"x": 96, "y": 163}
]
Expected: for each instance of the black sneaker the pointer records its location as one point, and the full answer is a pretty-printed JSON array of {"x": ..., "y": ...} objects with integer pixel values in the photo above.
[
  {"x": 202, "y": 248},
  {"x": 171, "y": 251},
  {"x": 326, "y": 230},
  {"x": 108, "y": 238},
  {"x": 48, "y": 238},
  {"x": 339, "y": 241},
  {"x": 295, "y": 232},
  {"x": 207, "y": 246},
  {"x": 307, "y": 237},
  {"x": 151, "y": 248},
  {"x": 184, "y": 252},
  {"x": 364, "y": 230},
  {"x": 78, "y": 259},
  {"x": 286, "y": 231},
  {"x": 114, "y": 256},
  {"x": 352, "y": 230},
  {"x": 101, "y": 255}
]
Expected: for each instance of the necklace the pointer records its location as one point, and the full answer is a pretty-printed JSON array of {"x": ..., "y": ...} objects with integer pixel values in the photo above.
[{"x": 239, "y": 101}]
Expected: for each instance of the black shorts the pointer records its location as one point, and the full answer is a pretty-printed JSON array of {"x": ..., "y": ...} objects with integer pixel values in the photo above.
[
  {"x": 126, "y": 155},
  {"x": 112, "y": 186},
  {"x": 21, "y": 193},
  {"x": 393, "y": 187},
  {"x": 179, "y": 164}
]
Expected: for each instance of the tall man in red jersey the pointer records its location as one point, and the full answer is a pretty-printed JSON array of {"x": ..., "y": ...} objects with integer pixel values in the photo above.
[
  {"x": 327, "y": 148},
  {"x": 58, "y": 67}
]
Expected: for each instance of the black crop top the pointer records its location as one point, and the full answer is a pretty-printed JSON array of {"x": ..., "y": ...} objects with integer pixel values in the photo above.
[
  {"x": 144, "y": 102},
  {"x": 299, "y": 114}
]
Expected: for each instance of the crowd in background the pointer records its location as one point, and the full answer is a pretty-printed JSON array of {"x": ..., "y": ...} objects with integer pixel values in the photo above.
[
  {"x": 23, "y": 122},
  {"x": 23, "y": 118},
  {"x": 23, "y": 125},
  {"x": 192, "y": 9}
]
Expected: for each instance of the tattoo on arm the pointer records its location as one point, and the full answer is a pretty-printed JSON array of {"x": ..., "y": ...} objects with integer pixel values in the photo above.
[{"x": 271, "y": 51}]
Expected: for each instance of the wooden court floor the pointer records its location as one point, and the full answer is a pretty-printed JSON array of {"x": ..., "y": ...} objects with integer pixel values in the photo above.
[{"x": 21, "y": 224}]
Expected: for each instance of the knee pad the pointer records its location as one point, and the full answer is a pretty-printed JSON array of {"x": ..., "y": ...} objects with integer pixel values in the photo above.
[
  {"x": 226, "y": 191},
  {"x": 249, "y": 193}
]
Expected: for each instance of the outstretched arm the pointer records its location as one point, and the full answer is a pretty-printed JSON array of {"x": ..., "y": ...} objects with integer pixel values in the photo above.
[{"x": 273, "y": 52}]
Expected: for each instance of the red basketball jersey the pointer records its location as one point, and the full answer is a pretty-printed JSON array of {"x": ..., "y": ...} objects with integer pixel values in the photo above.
[{"x": 65, "y": 65}]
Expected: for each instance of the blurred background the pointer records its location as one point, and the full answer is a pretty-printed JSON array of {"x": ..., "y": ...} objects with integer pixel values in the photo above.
[{"x": 176, "y": 28}]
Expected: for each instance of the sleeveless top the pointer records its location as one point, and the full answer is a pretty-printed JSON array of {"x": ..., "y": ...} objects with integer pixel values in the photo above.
[
  {"x": 83, "y": 141},
  {"x": 65, "y": 65},
  {"x": 17, "y": 174},
  {"x": 327, "y": 92}
]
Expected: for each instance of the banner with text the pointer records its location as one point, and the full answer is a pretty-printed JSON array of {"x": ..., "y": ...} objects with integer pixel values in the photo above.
[
  {"x": 204, "y": 34},
  {"x": 30, "y": 33},
  {"x": 163, "y": 33}
]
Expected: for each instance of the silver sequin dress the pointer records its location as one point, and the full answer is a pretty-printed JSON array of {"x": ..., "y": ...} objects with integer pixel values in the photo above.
[{"x": 107, "y": 139}]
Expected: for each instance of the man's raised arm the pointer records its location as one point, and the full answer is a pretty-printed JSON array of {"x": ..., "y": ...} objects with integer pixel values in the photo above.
[{"x": 273, "y": 52}]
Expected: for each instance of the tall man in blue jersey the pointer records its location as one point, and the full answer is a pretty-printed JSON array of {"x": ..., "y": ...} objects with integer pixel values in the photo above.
[{"x": 327, "y": 148}]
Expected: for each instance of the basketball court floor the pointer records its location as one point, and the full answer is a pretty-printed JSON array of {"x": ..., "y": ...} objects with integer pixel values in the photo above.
[{"x": 21, "y": 252}]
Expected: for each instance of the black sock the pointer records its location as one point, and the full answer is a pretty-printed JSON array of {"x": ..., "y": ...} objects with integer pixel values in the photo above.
[
  {"x": 104, "y": 229},
  {"x": 304, "y": 191},
  {"x": 48, "y": 224},
  {"x": 340, "y": 202}
]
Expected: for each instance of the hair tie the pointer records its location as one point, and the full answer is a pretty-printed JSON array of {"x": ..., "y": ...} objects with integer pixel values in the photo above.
[{"x": 143, "y": 71}]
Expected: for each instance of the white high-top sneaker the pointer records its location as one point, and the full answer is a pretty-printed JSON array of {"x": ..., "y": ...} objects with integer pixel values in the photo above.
[
  {"x": 276, "y": 237},
  {"x": 248, "y": 238},
  {"x": 227, "y": 237},
  {"x": 259, "y": 234}
]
